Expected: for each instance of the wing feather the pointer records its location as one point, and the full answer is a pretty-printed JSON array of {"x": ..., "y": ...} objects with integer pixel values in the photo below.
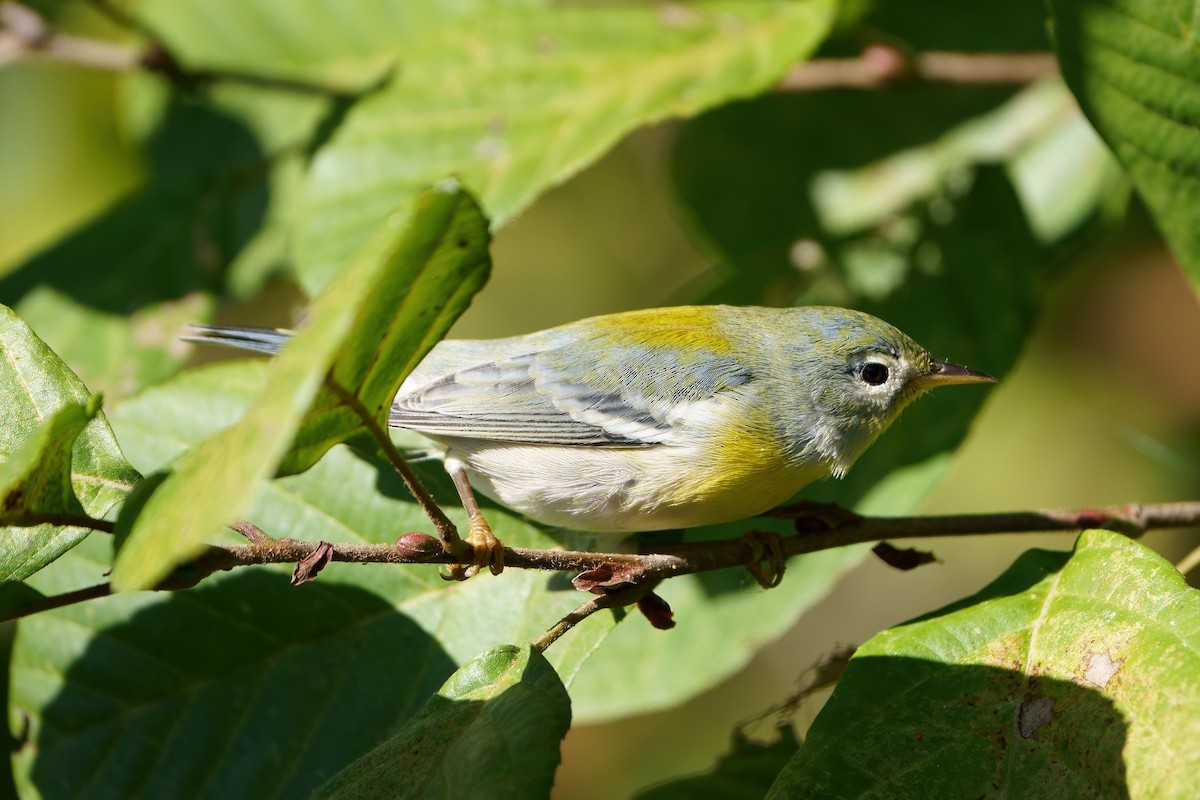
[{"x": 576, "y": 391}]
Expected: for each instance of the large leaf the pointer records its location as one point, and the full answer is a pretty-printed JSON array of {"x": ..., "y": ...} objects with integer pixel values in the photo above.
[
  {"x": 322, "y": 672},
  {"x": 561, "y": 85},
  {"x": 744, "y": 773},
  {"x": 162, "y": 250},
  {"x": 492, "y": 731},
  {"x": 1135, "y": 68},
  {"x": 1064, "y": 678},
  {"x": 389, "y": 306},
  {"x": 57, "y": 454}
]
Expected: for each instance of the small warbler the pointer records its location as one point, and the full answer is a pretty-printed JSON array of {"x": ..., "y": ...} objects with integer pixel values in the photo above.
[{"x": 655, "y": 419}]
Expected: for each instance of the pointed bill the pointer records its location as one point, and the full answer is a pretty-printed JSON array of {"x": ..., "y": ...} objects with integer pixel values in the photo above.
[{"x": 943, "y": 373}]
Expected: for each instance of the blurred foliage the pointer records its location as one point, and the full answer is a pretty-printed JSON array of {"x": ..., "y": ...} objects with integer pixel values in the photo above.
[{"x": 274, "y": 141}]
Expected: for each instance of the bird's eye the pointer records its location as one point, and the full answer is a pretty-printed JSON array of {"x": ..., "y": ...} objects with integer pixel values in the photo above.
[{"x": 873, "y": 373}]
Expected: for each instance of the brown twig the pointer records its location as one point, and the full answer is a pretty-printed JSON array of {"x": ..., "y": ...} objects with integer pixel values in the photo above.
[
  {"x": 25, "y": 34},
  {"x": 882, "y": 65},
  {"x": 681, "y": 559},
  {"x": 59, "y": 601},
  {"x": 441, "y": 523},
  {"x": 638, "y": 573},
  {"x": 589, "y": 607}
]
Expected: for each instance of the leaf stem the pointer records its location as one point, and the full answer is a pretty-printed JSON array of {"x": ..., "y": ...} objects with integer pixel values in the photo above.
[
  {"x": 59, "y": 601},
  {"x": 441, "y": 523}
]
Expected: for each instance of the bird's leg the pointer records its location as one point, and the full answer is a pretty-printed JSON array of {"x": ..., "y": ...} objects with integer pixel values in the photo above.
[
  {"x": 767, "y": 559},
  {"x": 487, "y": 550}
]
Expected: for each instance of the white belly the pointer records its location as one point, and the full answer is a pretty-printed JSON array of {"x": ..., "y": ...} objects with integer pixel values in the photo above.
[{"x": 624, "y": 490}]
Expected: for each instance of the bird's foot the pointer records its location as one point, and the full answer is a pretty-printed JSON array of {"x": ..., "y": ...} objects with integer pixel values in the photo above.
[
  {"x": 485, "y": 551},
  {"x": 767, "y": 561}
]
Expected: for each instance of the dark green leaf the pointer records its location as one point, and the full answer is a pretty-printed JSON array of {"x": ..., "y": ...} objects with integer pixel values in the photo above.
[
  {"x": 1134, "y": 66},
  {"x": 744, "y": 773},
  {"x": 365, "y": 333},
  {"x": 242, "y": 688},
  {"x": 112, "y": 296},
  {"x": 1063, "y": 678},
  {"x": 492, "y": 731}
]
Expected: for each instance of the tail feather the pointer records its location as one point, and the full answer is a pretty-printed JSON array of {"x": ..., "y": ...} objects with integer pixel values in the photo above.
[{"x": 261, "y": 340}]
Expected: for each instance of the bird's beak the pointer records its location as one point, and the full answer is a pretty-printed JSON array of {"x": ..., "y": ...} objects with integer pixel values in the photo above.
[{"x": 942, "y": 373}]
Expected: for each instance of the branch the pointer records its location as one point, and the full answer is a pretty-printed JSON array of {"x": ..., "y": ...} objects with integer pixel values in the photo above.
[
  {"x": 882, "y": 65},
  {"x": 813, "y": 534},
  {"x": 626, "y": 578},
  {"x": 25, "y": 34}
]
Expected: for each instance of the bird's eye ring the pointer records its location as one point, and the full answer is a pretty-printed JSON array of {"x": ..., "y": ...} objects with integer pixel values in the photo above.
[{"x": 873, "y": 373}]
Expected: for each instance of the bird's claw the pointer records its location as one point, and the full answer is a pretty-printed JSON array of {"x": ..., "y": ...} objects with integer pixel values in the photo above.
[
  {"x": 767, "y": 561},
  {"x": 486, "y": 551}
]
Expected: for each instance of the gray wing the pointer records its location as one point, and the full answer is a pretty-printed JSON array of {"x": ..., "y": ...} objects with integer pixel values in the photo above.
[{"x": 574, "y": 392}]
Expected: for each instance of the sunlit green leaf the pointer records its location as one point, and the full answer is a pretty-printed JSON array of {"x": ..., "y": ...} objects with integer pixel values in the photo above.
[
  {"x": 56, "y": 453},
  {"x": 563, "y": 84},
  {"x": 364, "y": 332},
  {"x": 1066, "y": 677}
]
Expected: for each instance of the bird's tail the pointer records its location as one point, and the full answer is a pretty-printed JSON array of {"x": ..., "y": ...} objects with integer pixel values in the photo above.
[{"x": 262, "y": 340}]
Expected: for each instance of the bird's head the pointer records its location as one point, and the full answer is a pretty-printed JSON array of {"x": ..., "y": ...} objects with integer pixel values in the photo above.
[{"x": 866, "y": 371}]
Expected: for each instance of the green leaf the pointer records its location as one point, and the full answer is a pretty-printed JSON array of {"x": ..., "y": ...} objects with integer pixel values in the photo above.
[
  {"x": 56, "y": 453},
  {"x": 163, "y": 248},
  {"x": 563, "y": 84},
  {"x": 364, "y": 332},
  {"x": 35, "y": 477},
  {"x": 1134, "y": 66},
  {"x": 348, "y": 497},
  {"x": 744, "y": 773},
  {"x": 1066, "y": 677},
  {"x": 317, "y": 674},
  {"x": 722, "y": 619},
  {"x": 407, "y": 312},
  {"x": 492, "y": 731},
  {"x": 241, "y": 688}
]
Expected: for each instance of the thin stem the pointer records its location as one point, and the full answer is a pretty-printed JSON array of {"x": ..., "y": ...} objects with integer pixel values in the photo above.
[
  {"x": 585, "y": 610},
  {"x": 59, "y": 601},
  {"x": 881, "y": 65},
  {"x": 1189, "y": 562},
  {"x": 445, "y": 528}
]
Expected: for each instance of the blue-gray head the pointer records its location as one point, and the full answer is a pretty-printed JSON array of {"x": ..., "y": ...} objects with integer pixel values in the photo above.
[{"x": 866, "y": 371}]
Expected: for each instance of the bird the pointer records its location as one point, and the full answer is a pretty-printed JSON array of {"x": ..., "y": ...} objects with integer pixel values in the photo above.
[{"x": 653, "y": 419}]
